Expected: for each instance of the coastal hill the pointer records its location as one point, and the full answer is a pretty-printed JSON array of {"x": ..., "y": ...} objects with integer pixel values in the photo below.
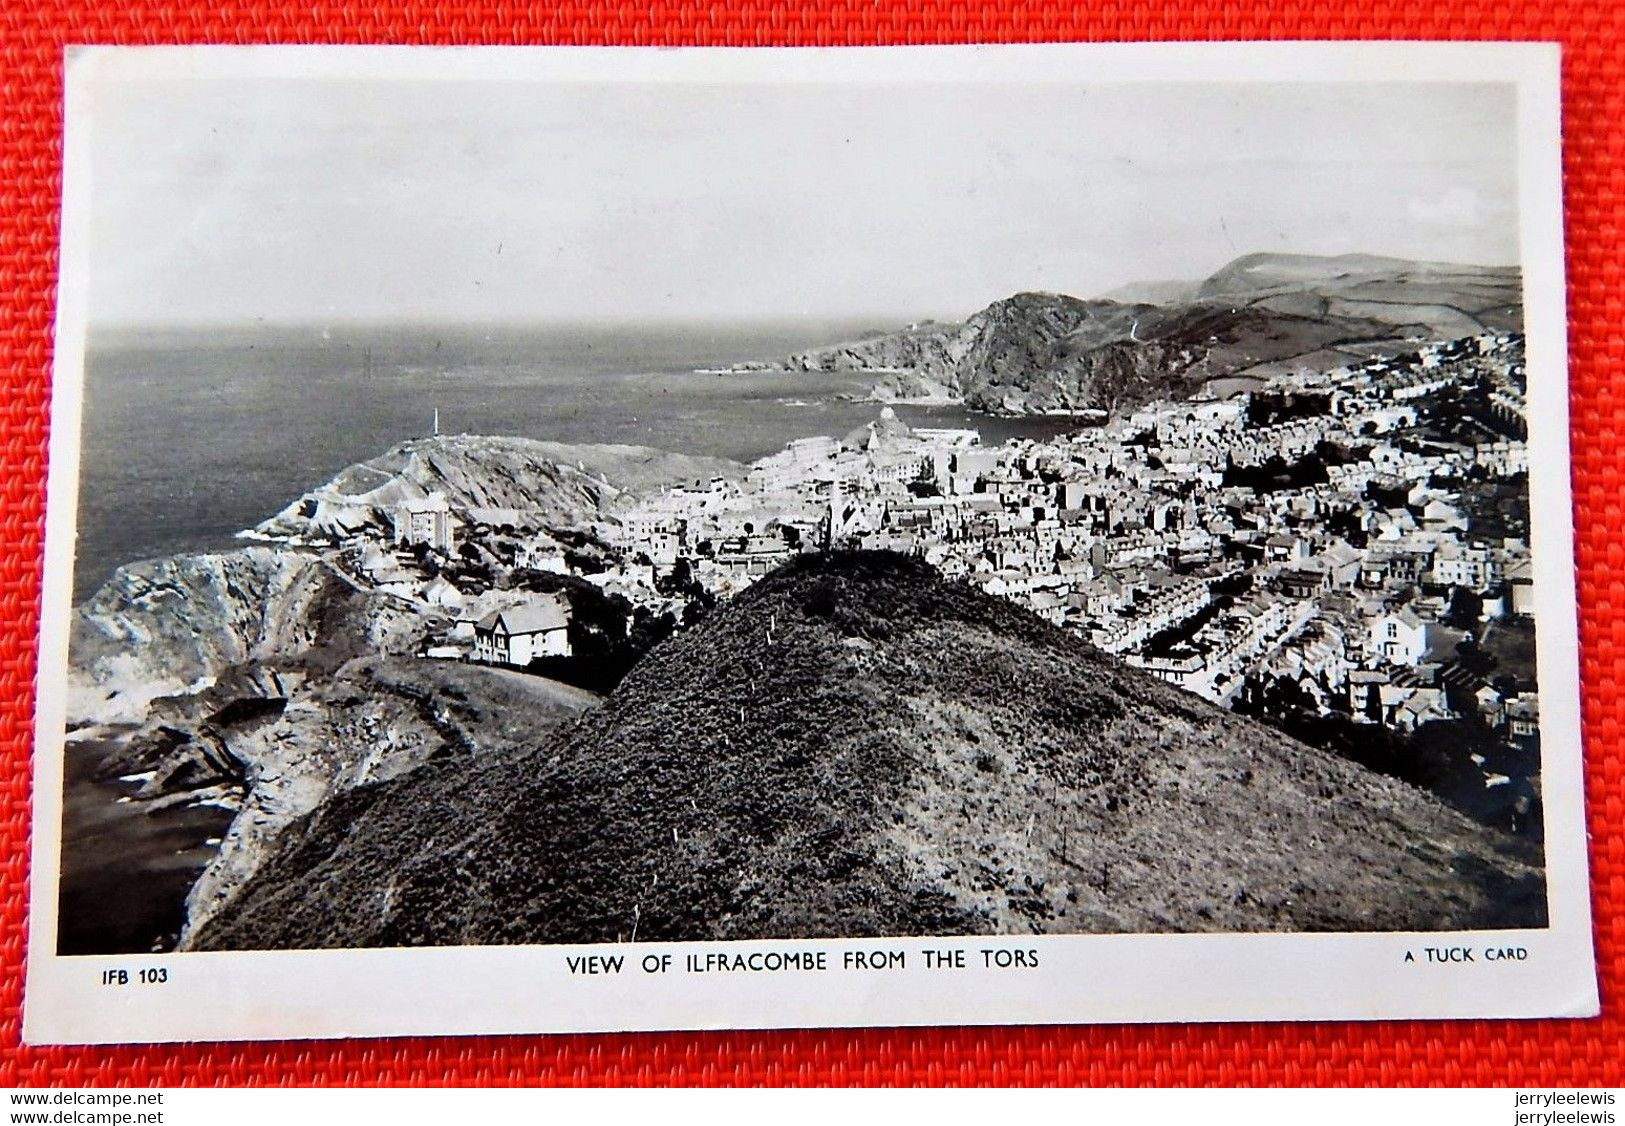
[
  {"x": 556, "y": 484},
  {"x": 1259, "y": 315},
  {"x": 281, "y": 601},
  {"x": 854, "y": 746},
  {"x": 1452, "y": 300}
]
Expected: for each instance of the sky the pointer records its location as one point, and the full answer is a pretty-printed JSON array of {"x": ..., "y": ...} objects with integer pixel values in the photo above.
[{"x": 330, "y": 200}]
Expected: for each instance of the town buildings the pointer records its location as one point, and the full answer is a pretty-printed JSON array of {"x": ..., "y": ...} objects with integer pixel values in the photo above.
[
  {"x": 1328, "y": 546},
  {"x": 1350, "y": 534}
]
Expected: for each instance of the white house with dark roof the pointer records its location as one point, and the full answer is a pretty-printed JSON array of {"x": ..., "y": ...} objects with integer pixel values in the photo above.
[
  {"x": 1400, "y": 638},
  {"x": 519, "y": 634}
]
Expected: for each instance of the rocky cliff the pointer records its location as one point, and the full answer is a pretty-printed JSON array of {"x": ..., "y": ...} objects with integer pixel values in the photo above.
[
  {"x": 1039, "y": 352},
  {"x": 274, "y": 742},
  {"x": 282, "y": 685},
  {"x": 171, "y": 626},
  {"x": 1258, "y": 315},
  {"x": 855, "y": 747},
  {"x": 373, "y": 720}
]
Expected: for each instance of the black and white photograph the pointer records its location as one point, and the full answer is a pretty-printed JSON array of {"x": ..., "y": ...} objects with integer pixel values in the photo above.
[{"x": 697, "y": 499}]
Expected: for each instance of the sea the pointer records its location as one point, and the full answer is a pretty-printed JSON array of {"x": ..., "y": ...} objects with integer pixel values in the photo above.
[
  {"x": 190, "y": 435},
  {"x": 126, "y": 867}
]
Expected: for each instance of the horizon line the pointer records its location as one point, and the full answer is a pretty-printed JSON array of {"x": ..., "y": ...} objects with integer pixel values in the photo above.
[
  {"x": 884, "y": 318},
  {"x": 450, "y": 320}
]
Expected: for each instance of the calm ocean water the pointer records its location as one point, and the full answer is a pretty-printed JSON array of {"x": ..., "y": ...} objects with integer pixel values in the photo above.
[
  {"x": 126, "y": 868},
  {"x": 190, "y": 436}
]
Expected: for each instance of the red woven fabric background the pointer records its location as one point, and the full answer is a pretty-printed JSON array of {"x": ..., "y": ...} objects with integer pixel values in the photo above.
[{"x": 1540, "y": 1053}]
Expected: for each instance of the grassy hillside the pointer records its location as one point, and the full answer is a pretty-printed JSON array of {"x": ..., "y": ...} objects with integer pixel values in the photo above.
[
  {"x": 1450, "y": 299},
  {"x": 855, "y": 747}
]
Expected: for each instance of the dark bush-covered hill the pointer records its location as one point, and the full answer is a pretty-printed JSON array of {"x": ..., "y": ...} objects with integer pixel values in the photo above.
[{"x": 856, "y": 747}]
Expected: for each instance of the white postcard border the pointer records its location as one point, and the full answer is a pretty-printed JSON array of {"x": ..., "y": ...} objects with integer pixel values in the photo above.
[{"x": 1079, "y": 978}]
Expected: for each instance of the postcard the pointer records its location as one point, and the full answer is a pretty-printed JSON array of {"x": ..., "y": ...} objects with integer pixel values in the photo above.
[{"x": 549, "y": 540}]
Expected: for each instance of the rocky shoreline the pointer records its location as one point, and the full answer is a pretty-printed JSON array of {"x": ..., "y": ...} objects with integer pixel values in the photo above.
[{"x": 287, "y": 681}]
